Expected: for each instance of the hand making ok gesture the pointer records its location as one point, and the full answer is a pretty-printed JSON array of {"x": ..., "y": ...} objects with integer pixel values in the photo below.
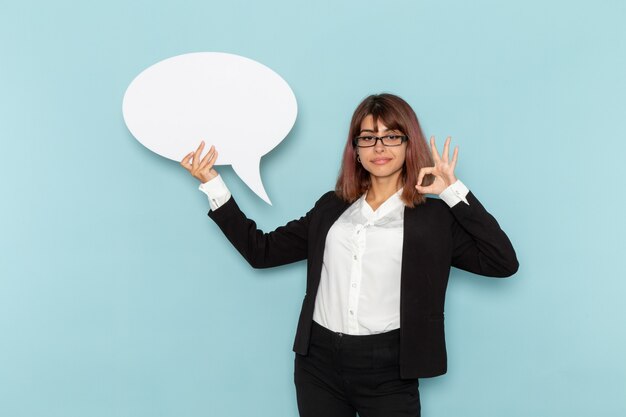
[{"x": 443, "y": 171}]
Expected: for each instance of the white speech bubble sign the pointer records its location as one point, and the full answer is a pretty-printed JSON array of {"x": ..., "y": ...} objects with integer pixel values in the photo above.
[{"x": 235, "y": 103}]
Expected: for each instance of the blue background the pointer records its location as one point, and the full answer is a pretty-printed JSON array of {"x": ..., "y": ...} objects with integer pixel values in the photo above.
[{"x": 119, "y": 297}]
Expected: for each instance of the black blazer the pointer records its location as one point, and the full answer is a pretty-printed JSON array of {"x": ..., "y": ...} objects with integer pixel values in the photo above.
[{"x": 435, "y": 238}]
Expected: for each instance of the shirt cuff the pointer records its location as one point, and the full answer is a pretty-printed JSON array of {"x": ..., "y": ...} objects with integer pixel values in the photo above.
[
  {"x": 216, "y": 191},
  {"x": 455, "y": 193}
]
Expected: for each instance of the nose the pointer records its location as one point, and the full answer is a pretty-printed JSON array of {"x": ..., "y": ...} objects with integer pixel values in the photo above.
[{"x": 378, "y": 146}]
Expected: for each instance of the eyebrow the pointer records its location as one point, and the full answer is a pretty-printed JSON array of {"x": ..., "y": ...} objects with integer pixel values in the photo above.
[{"x": 374, "y": 131}]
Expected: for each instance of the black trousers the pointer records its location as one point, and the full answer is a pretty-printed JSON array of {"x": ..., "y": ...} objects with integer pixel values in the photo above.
[{"x": 343, "y": 375}]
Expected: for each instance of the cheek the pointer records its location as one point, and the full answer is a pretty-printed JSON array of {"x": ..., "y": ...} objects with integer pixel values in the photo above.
[
  {"x": 364, "y": 152},
  {"x": 402, "y": 156}
]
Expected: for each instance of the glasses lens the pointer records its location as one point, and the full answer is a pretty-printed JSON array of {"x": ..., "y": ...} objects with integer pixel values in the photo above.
[
  {"x": 392, "y": 140},
  {"x": 364, "y": 141}
]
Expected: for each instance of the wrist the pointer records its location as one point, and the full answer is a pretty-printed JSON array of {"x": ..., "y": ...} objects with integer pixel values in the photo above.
[{"x": 203, "y": 178}]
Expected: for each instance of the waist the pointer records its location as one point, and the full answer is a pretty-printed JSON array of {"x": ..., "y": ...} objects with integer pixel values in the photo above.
[{"x": 327, "y": 336}]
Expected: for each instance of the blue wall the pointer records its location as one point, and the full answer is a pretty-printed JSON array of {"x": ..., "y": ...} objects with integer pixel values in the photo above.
[{"x": 119, "y": 297}]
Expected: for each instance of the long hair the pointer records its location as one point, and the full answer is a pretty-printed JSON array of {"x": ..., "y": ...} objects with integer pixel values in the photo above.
[{"x": 396, "y": 114}]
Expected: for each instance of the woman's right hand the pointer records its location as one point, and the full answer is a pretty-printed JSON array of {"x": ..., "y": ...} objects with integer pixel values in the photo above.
[{"x": 201, "y": 169}]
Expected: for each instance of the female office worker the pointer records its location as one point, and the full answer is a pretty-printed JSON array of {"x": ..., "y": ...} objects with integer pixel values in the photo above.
[{"x": 378, "y": 256}]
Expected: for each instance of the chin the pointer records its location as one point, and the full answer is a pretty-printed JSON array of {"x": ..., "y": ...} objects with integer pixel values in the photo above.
[{"x": 385, "y": 172}]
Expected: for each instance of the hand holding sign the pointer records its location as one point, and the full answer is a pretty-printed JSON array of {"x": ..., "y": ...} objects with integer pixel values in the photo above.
[
  {"x": 236, "y": 104},
  {"x": 201, "y": 168}
]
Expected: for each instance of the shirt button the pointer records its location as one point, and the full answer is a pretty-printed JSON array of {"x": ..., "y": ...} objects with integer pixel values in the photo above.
[
  {"x": 352, "y": 312},
  {"x": 355, "y": 257},
  {"x": 353, "y": 285}
]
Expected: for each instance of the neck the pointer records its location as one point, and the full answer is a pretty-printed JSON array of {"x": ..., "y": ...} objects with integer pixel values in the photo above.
[{"x": 382, "y": 188}]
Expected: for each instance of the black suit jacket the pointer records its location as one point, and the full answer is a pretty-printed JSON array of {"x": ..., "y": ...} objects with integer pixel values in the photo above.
[{"x": 436, "y": 237}]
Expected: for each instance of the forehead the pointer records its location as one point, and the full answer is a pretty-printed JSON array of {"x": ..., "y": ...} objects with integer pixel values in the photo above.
[{"x": 375, "y": 125}]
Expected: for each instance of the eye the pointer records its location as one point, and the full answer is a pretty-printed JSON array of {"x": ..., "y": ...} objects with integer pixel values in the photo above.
[{"x": 367, "y": 138}]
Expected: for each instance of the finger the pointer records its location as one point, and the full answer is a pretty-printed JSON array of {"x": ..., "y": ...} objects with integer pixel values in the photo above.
[
  {"x": 433, "y": 150},
  {"x": 446, "y": 149},
  {"x": 186, "y": 161},
  {"x": 454, "y": 157},
  {"x": 423, "y": 171},
  {"x": 424, "y": 190},
  {"x": 212, "y": 161},
  {"x": 196, "y": 156},
  {"x": 207, "y": 157}
]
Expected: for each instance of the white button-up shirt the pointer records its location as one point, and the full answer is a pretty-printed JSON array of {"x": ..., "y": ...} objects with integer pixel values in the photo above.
[{"x": 359, "y": 291}]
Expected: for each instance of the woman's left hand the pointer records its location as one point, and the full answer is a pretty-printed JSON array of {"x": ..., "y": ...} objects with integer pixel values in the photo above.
[{"x": 443, "y": 171}]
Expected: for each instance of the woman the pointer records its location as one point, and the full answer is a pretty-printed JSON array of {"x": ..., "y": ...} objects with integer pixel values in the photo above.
[{"x": 378, "y": 259}]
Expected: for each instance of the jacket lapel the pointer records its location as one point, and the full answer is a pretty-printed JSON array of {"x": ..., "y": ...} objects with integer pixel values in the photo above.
[
  {"x": 328, "y": 215},
  {"x": 417, "y": 254}
]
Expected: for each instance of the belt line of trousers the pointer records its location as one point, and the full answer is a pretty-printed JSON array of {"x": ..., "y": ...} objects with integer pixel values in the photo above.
[{"x": 343, "y": 375}]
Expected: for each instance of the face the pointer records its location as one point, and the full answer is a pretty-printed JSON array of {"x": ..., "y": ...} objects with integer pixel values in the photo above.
[{"x": 381, "y": 161}]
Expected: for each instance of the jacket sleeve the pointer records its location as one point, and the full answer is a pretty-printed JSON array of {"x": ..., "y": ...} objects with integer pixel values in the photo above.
[
  {"x": 479, "y": 244},
  {"x": 286, "y": 244}
]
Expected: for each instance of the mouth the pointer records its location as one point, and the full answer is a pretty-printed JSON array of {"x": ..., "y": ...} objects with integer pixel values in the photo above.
[{"x": 380, "y": 161}]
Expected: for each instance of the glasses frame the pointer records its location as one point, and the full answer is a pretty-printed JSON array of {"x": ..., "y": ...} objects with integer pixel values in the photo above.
[{"x": 355, "y": 141}]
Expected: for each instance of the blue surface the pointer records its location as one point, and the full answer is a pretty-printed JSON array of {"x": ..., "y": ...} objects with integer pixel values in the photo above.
[{"x": 119, "y": 297}]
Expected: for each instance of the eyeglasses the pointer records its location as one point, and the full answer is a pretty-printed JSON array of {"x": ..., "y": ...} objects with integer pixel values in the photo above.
[{"x": 388, "y": 140}]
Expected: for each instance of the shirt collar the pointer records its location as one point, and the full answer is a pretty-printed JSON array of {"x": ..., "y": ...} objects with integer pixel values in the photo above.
[{"x": 392, "y": 204}]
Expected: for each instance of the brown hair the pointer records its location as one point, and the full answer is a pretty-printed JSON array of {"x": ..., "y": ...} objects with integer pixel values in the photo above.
[{"x": 396, "y": 114}]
